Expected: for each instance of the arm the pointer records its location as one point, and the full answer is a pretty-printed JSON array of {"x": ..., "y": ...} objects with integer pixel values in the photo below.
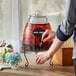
[
  {"x": 55, "y": 46},
  {"x": 64, "y": 31},
  {"x": 41, "y": 57}
]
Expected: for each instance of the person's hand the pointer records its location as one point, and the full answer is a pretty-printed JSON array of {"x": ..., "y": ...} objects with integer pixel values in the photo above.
[
  {"x": 47, "y": 35},
  {"x": 42, "y": 57}
]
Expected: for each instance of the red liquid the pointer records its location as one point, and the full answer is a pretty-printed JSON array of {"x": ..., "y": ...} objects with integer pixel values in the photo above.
[{"x": 32, "y": 37}]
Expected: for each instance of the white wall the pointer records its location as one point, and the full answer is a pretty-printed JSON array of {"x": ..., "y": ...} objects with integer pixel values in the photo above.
[
  {"x": 10, "y": 26},
  {"x": 53, "y": 9}
]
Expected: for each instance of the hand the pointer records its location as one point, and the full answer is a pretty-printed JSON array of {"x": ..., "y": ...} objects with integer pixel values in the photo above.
[
  {"x": 47, "y": 35},
  {"x": 42, "y": 57}
]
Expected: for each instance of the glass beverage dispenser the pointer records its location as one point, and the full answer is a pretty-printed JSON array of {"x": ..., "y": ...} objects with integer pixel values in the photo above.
[{"x": 34, "y": 28}]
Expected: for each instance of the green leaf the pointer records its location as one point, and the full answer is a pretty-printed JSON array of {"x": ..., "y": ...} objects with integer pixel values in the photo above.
[
  {"x": 5, "y": 50},
  {"x": 10, "y": 46},
  {"x": 9, "y": 51}
]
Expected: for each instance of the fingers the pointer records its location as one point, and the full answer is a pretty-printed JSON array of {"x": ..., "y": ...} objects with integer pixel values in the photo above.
[
  {"x": 39, "y": 60},
  {"x": 44, "y": 35},
  {"x": 46, "y": 39},
  {"x": 47, "y": 35}
]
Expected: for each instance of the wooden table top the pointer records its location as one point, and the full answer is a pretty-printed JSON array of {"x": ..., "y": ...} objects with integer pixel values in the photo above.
[{"x": 38, "y": 70}]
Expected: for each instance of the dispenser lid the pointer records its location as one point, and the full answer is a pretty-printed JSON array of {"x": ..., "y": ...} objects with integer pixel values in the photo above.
[{"x": 37, "y": 18}]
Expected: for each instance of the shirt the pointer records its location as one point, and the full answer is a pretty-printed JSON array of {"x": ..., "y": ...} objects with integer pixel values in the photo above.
[{"x": 68, "y": 26}]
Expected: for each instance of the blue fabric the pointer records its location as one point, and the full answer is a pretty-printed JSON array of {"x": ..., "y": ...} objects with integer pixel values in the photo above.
[{"x": 61, "y": 36}]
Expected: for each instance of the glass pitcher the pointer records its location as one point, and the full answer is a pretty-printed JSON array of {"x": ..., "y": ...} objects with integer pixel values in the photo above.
[{"x": 34, "y": 28}]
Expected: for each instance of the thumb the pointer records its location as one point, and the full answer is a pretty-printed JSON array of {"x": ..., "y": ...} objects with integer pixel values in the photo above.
[
  {"x": 46, "y": 39},
  {"x": 45, "y": 34}
]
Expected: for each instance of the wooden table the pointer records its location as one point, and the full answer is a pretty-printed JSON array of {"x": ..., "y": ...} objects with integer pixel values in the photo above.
[{"x": 38, "y": 70}]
